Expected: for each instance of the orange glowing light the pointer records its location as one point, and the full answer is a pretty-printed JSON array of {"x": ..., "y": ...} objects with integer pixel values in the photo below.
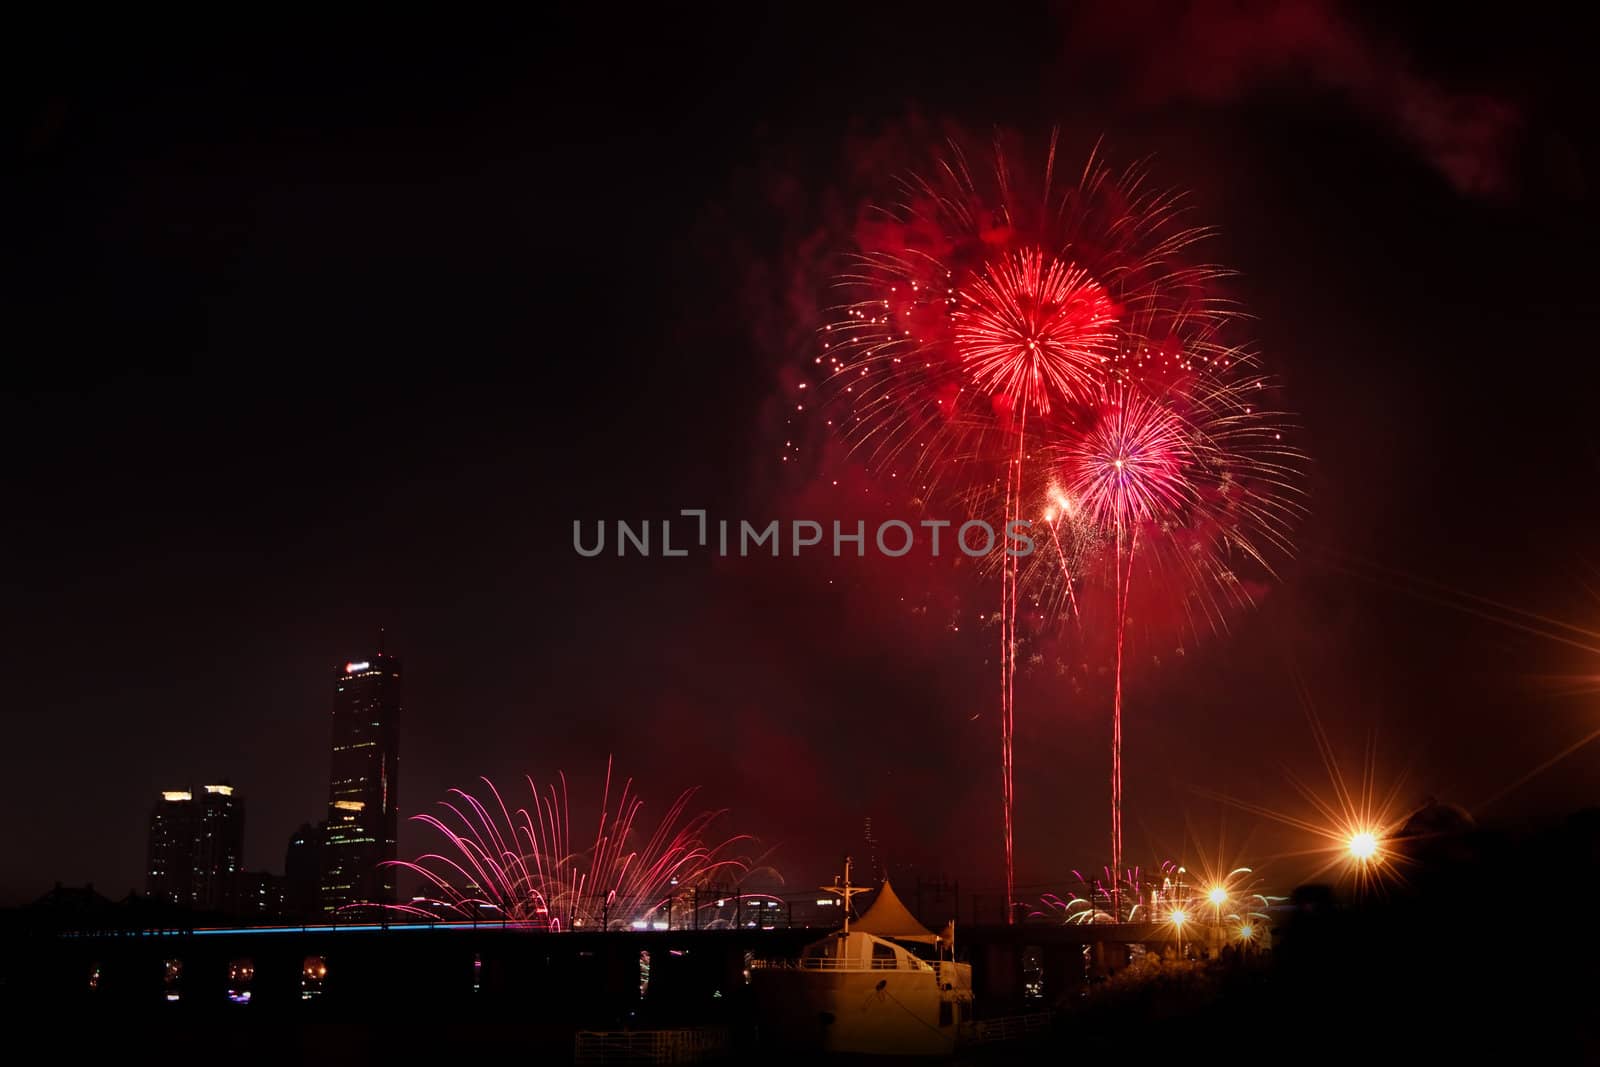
[{"x": 1364, "y": 845}]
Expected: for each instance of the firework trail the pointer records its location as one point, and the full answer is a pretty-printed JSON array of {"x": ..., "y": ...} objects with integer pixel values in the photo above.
[
  {"x": 1181, "y": 460},
  {"x": 988, "y": 306},
  {"x": 523, "y": 866},
  {"x": 1180, "y": 464},
  {"x": 1127, "y": 470}
]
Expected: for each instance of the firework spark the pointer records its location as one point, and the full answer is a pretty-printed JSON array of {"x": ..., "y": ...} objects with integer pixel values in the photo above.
[
  {"x": 523, "y": 866},
  {"x": 1027, "y": 328}
]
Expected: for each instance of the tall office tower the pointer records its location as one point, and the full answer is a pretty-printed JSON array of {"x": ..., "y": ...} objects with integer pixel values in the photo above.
[
  {"x": 363, "y": 791},
  {"x": 169, "y": 872},
  {"x": 219, "y": 849},
  {"x": 196, "y": 841}
]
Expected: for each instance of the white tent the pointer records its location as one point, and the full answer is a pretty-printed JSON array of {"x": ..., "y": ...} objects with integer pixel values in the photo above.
[{"x": 888, "y": 917}]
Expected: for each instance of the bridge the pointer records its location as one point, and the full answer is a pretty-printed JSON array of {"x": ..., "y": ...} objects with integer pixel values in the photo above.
[{"x": 579, "y": 977}]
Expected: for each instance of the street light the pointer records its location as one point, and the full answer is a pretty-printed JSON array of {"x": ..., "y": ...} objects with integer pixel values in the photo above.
[{"x": 1218, "y": 897}]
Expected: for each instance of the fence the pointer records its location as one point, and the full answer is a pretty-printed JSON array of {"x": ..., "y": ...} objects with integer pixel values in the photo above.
[
  {"x": 1008, "y": 1028},
  {"x": 650, "y": 1046}
]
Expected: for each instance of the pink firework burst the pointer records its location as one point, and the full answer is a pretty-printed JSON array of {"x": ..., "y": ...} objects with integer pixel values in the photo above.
[
  {"x": 1029, "y": 325},
  {"x": 1131, "y": 465},
  {"x": 1179, "y": 463},
  {"x": 523, "y": 866},
  {"x": 1128, "y": 468}
]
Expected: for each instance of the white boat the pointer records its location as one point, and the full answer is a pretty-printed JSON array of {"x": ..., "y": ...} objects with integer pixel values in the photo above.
[{"x": 861, "y": 990}]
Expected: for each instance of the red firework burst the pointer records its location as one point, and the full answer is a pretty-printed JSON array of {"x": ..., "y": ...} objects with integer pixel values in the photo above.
[
  {"x": 1029, "y": 325},
  {"x": 984, "y": 296}
]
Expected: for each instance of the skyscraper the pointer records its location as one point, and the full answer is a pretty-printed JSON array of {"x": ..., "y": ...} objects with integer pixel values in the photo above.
[
  {"x": 220, "y": 848},
  {"x": 196, "y": 842},
  {"x": 169, "y": 872},
  {"x": 363, "y": 790}
]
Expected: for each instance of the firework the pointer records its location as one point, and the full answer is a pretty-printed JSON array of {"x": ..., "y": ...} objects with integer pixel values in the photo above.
[
  {"x": 1092, "y": 902},
  {"x": 1148, "y": 898},
  {"x": 1230, "y": 903},
  {"x": 1208, "y": 490},
  {"x": 525, "y": 867},
  {"x": 1128, "y": 469},
  {"x": 1183, "y": 462},
  {"x": 988, "y": 304},
  {"x": 986, "y": 294},
  {"x": 1029, "y": 328}
]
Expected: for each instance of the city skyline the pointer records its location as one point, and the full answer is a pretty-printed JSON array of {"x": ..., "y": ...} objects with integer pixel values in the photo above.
[{"x": 346, "y": 859}]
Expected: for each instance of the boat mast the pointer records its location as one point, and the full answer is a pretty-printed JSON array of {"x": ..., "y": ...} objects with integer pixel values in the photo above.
[
  {"x": 845, "y": 891},
  {"x": 847, "y": 894}
]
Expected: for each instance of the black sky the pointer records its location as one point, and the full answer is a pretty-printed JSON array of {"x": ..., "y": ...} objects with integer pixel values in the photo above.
[{"x": 320, "y": 326}]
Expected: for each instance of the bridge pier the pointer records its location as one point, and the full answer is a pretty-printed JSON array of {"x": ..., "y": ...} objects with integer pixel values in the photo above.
[
  {"x": 1107, "y": 958},
  {"x": 1063, "y": 971}
]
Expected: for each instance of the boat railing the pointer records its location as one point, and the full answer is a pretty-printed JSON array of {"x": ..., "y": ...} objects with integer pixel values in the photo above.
[{"x": 834, "y": 963}]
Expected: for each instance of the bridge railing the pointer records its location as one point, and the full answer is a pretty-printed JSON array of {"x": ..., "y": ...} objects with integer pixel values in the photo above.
[
  {"x": 1007, "y": 1028},
  {"x": 649, "y": 1046}
]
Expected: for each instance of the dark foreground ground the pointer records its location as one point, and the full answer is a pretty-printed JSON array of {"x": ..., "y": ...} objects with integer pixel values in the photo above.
[{"x": 1477, "y": 946}]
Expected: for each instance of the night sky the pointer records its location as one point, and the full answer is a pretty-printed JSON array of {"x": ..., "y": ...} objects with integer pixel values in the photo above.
[{"x": 325, "y": 326}]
